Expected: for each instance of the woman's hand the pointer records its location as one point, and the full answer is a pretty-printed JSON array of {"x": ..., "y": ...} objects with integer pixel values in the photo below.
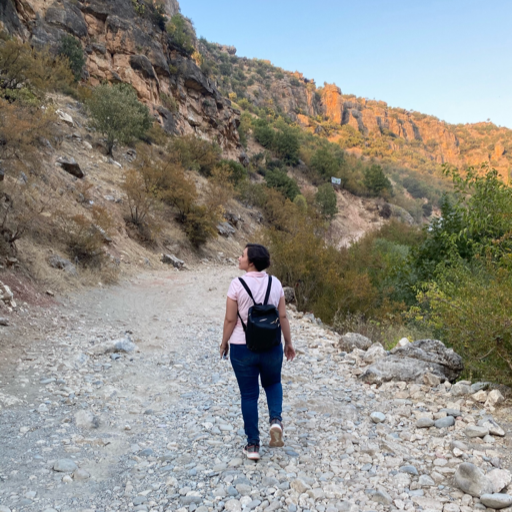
[
  {"x": 224, "y": 349},
  {"x": 289, "y": 352}
]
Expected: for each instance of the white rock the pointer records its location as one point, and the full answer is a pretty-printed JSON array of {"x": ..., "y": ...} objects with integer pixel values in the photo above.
[
  {"x": 374, "y": 353},
  {"x": 476, "y": 431},
  {"x": 403, "y": 342},
  {"x": 378, "y": 417},
  {"x": 496, "y": 501},
  {"x": 500, "y": 479},
  {"x": 479, "y": 396},
  {"x": 494, "y": 398},
  {"x": 65, "y": 117}
]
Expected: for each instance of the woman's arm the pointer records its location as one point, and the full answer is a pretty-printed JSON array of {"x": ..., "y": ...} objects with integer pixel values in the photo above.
[
  {"x": 289, "y": 351},
  {"x": 229, "y": 324}
]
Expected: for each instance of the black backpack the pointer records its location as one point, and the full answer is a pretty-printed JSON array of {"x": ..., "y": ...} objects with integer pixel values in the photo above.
[{"x": 263, "y": 329}]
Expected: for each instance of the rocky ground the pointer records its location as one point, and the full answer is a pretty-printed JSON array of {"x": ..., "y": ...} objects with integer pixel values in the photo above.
[{"x": 153, "y": 421}]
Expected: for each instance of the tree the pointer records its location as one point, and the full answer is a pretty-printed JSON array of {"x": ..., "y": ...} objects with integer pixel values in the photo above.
[
  {"x": 327, "y": 163},
  {"x": 376, "y": 181},
  {"x": 281, "y": 181},
  {"x": 286, "y": 146},
  {"x": 326, "y": 200},
  {"x": 71, "y": 48},
  {"x": 117, "y": 114}
]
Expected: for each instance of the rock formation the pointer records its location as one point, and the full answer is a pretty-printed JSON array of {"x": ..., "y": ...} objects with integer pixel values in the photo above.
[{"x": 124, "y": 45}]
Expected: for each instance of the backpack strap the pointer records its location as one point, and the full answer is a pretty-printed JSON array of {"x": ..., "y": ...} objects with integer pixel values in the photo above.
[
  {"x": 247, "y": 289},
  {"x": 267, "y": 295}
]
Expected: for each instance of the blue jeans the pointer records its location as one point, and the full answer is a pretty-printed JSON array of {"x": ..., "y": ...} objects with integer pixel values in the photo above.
[{"x": 248, "y": 366}]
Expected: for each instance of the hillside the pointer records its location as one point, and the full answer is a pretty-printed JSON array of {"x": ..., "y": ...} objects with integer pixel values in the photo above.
[{"x": 366, "y": 127}]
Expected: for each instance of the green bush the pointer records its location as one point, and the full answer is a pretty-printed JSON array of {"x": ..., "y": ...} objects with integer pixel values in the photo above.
[
  {"x": 376, "y": 181},
  {"x": 71, "y": 48},
  {"x": 263, "y": 133},
  {"x": 286, "y": 146},
  {"x": 283, "y": 183},
  {"x": 182, "y": 33},
  {"x": 237, "y": 172},
  {"x": 327, "y": 201},
  {"x": 328, "y": 163},
  {"x": 470, "y": 308},
  {"x": 117, "y": 114},
  {"x": 195, "y": 153}
]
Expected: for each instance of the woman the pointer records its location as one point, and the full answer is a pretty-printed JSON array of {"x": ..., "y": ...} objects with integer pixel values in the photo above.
[{"x": 248, "y": 366}]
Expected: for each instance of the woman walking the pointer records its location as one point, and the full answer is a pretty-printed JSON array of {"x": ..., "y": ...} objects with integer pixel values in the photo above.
[{"x": 248, "y": 364}]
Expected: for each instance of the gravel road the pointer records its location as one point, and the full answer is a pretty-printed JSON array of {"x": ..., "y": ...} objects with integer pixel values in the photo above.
[{"x": 85, "y": 427}]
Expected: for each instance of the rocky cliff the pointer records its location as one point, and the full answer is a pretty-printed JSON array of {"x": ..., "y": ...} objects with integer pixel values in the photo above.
[
  {"x": 366, "y": 127},
  {"x": 123, "y": 43}
]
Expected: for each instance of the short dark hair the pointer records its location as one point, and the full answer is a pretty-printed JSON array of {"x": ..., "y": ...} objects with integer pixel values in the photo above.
[{"x": 259, "y": 256}]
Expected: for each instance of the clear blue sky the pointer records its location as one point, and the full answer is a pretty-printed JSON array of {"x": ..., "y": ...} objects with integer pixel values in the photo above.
[{"x": 448, "y": 58}]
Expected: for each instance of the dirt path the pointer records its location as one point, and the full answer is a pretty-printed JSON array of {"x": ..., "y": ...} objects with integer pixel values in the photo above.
[{"x": 159, "y": 428}]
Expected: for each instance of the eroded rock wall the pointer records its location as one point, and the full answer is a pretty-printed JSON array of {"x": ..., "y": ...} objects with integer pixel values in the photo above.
[{"x": 123, "y": 45}]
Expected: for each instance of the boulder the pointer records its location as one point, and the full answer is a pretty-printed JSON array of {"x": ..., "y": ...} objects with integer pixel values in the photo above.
[
  {"x": 63, "y": 116},
  {"x": 4, "y": 322},
  {"x": 406, "y": 369},
  {"x": 143, "y": 64},
  {"x": 71, "y": 166},
  {"x": 67, "y": 16},
  {"x": 170, "y": 259},
  {"x": 433, "y": 351},
  {"x": 2, "y": 175},
  {"x": 352, "y": 340},
  {"x": 374, "y": 353},
  {"x": 289, "y": 294},
  {"x": 500, "y": 479},
  {"x": 225, "y": 229},
  {"x": 6, "y": 296},
  {"x": 472, "y": 480},
  {"x": 494, "y": 398},
  {"x": 496, "y": 501},
  {"x": 56, "y": 261},
  {"x": 460, "y": 389}
]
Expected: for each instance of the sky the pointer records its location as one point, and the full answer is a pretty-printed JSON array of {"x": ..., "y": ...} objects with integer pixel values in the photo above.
[{"x": 447, "y": 58}]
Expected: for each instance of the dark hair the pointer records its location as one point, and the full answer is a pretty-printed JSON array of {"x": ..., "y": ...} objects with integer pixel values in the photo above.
[{"x": 258, "y": 256}]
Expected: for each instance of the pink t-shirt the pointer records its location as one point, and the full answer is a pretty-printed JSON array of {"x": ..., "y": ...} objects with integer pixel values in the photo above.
[{"x": 257, "y": 283}]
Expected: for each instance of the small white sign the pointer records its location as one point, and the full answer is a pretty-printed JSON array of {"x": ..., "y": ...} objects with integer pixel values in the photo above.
[{"x": 336, "y": 181}]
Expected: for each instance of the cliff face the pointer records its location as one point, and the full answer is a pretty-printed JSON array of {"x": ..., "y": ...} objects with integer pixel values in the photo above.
[
  {"x": 369, "y": 128},
  {"x": 124, "y": 44}
]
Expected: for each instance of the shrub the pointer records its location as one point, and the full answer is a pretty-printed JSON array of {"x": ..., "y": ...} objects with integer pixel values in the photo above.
[
  {"x": 169, "y": 102},
  {"x": 71, "y": 49},
  {"x": 327, "y": 201},
  {"x": 252, "y": 194},
  {"x": 235, "y": 170},
  {"x": 470, "y": 308},
  {"x": 117, "y": 114},
  {"x": 85, "y": 238},
  {"x": 263, "y": 133},
  {"x": 327, "y": 163},
  {"x": 416, "y": 188},
  {"x": 376, "y": 181},
  {"x": 301, "y": 203},
  {"x": 301, "y": 259},
  {"x": 25, "y": 68},
  {"x": 194, "y": 153},
  {"x": 198, "y": 226},
  {"x": 182, "y": 33},
  {"x": 283, "y": 183},
  {"x": 286, "y": 146},
  {"x": 220, "y": 190}
]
